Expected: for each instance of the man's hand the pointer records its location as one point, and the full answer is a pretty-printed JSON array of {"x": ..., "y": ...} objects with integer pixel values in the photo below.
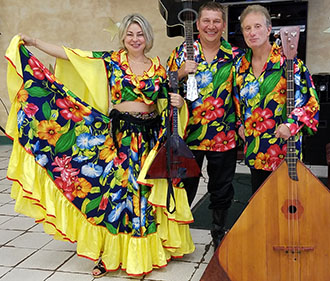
[{"x": 189, "y": 66}]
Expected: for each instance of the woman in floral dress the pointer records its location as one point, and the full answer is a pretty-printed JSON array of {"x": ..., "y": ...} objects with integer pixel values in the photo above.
[{"x": 79, "y": 168}]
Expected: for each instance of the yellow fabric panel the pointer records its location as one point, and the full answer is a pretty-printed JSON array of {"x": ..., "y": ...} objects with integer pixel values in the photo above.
[
  {"x": 14, "y": 81},
  {"x": 11, "y": 125},
  {"x": 183, "y": 119},
  {"x": 86, "y": 77}
]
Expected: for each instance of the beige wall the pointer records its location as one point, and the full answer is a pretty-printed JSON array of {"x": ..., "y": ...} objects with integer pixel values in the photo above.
[
  {"x": 318, "y": 42},
  {"x": 81, "y": 24}
]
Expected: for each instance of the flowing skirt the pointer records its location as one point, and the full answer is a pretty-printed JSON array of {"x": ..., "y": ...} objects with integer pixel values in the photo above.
[{"x": 83, "y": 183}]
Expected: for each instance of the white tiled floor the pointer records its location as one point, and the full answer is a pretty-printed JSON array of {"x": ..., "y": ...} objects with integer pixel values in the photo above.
[{"x": 26, "y": 253}]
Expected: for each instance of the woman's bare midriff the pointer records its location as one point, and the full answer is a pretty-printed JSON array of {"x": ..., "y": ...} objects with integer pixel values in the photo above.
[{"x": 133, "y": 106}]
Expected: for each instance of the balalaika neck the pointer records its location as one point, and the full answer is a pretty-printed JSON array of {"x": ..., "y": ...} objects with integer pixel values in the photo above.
[
  {"x": 191, "y": 83},
  {"x": 175, "y": 121},
  {"x": 173, "y": 78},
  {"x": 189, "y": 37},
  {"x": 291, "y": 157}
]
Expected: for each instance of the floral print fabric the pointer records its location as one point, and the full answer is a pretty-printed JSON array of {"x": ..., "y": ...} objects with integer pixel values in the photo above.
[
  {"x": 262, "y": 108},
  {"x": 212, "y": 118},
  {"x": 71, "y": 140}
]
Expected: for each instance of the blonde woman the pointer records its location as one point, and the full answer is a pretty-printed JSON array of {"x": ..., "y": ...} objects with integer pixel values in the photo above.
[{"x": 78, "y": 164}]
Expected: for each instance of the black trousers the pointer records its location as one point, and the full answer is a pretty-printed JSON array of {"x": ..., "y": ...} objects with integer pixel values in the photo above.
[
  {"x": 221, "y": 170},
  {"x": 257, "y": 178}
]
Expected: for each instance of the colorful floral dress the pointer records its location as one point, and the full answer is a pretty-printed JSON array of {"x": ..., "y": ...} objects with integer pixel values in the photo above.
[
  {"x": 262, "y": 104},
  {"x": 68, "y": 173},
  {"x": 212, "y": 118}
]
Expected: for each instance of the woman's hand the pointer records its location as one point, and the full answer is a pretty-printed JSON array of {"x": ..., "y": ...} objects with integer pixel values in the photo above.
[
  {"x": 48, "y": 48},
  {"x": 176, "y": 100},
  {"x": 283, "y": 131},
  {"x": 28, "y": 41}
]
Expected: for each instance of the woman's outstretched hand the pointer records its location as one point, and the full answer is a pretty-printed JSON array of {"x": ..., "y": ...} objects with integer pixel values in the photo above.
[
  {"x": 28, "y": 41},
  {"x": 48, "y": 48}
]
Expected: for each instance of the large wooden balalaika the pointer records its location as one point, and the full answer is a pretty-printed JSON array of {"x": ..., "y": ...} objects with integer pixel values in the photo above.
[{"x": 283, "y": 234}]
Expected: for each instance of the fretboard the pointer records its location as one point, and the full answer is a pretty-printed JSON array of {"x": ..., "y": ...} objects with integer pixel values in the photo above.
[
  {"x": 173, "y": 77},
  {"x": 189, "y": 37},
  {"x": 291, "y": 157}
]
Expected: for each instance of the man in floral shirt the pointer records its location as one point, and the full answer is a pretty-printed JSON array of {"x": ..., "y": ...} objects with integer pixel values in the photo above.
[
  {"x": 261, "y": 95},
  {"x": 211, "y": 127}
]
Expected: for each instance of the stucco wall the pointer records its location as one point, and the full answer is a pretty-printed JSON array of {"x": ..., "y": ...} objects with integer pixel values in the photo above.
[
  {"x": 82, "y": 23},
  {"x": 318, "y": 42}
]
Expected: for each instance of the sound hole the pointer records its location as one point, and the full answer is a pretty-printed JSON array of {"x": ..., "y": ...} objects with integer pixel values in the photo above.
[
  {"x": 292, "y": 209},
  {"x": 187, "y": 14}
]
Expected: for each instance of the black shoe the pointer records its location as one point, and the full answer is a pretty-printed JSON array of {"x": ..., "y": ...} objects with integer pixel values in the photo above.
[
  {"x": 218, "y": 230},
  {"x": 217, "y": 236},
  {"x": 99, "y": 270}
]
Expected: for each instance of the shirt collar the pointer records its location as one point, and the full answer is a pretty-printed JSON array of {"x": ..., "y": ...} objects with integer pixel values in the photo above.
[
  {"x": 225, "y": 50},
  {"x": 274, "y": 60}
]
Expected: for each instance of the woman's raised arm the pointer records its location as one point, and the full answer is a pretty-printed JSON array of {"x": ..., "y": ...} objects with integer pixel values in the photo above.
[{"x": 50, "y": 49}]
